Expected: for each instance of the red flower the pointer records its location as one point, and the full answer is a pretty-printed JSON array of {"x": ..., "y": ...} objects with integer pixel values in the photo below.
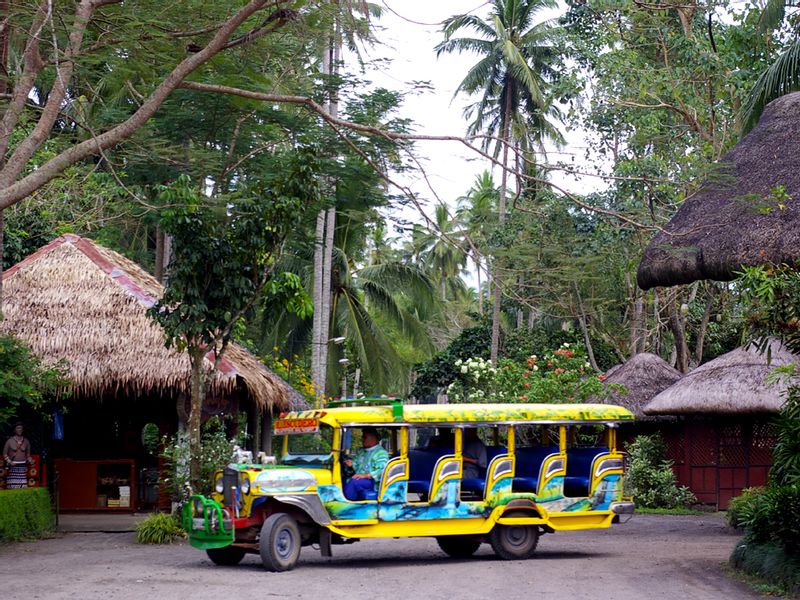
[
  {"x": 526, "y": 385},
  {"x": 559, "y": 370},
  {"x": 601, "y": 377}
]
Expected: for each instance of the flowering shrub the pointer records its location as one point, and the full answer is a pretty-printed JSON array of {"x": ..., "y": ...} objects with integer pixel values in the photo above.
[
  {"x": 563, "y": 375},
  {"x": 293, "y": 373}
]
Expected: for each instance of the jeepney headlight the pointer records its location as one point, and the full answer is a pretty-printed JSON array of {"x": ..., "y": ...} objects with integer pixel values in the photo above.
[
  {"x": 245, "y": 485},
  {"x": 219, "y": 486}
]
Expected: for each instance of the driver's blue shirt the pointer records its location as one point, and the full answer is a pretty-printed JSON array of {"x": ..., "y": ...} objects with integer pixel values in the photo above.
[{"x": 372, "y": 461}]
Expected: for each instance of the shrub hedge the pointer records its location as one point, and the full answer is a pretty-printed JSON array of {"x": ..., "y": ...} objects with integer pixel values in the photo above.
[
  {"x": 769, "y": 562},
  {"x": 25, "y": 513}
]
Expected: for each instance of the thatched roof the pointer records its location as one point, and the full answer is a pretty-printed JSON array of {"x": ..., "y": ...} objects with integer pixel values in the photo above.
[
  {"x": 643, "y": 376},
  {"x": 730, "y": 384},
  {"x": 736, "y": 218},
  {"x": 76, "y": 301}
]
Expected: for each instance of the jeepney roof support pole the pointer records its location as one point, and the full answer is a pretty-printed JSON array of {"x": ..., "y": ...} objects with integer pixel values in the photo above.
[{"x": 562, "y": 439}]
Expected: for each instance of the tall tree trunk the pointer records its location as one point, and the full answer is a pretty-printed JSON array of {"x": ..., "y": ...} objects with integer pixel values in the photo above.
[
  {"x": 679, "y": 333},
  {"x": 587, "y": 340},
  {"x": 198, "y": 389},
  {"x": 323, "y": 244},
  {"x": 477, "y": 258},
  {"x": 701, "y": 333},
  {"x": 327, "y": 269},
  {"x": 5, "y": 81},
  {"x": 501, "y": 218},
  {"x": 316, "y": 335}
]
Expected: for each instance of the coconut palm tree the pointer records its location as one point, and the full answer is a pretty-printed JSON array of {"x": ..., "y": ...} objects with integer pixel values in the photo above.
[
  {"x": 369, "y": 305},
  {"x": 511, "y": 78},
  {"x": 477, "y": 211},
  {"x": 440, "y": 249},
  {"x": 782, "y": 76}
]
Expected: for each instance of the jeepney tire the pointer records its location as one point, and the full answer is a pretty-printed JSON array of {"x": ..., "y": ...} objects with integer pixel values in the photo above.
[
  {"x": 280, "y": 542},
  {"x": 458, "y": 546},
  {"x": 514, "y": 542},
  {"x": 227, "y": 556}
]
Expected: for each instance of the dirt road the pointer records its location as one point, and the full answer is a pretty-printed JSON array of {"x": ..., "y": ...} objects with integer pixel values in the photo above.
[{"x": 651, "y": 557}]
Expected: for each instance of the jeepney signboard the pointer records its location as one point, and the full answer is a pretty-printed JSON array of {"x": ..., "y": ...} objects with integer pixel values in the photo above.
[{"x": 289, "y": 426}]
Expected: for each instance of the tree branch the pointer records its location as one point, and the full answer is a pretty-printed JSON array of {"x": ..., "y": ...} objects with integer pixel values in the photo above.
[{"x": 11, "y": 193}]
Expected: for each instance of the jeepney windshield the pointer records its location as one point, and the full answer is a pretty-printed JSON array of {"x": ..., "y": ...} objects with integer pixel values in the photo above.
[{"x": 308, "y": 448}]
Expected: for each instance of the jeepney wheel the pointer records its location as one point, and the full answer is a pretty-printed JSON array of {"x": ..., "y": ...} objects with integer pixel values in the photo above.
[
  {"x": 514, "y": 542},
  {"x": 227, "y": 556},
  {"x": 279, "y": 544},
  {"x": 458, "y": 546}
]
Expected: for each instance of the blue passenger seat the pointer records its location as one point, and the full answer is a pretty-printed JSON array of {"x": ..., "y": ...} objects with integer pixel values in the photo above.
[
  {"x": 579, "y": 470},
  {"x": 420, "y": 468},
  {"x": 476, "y": 484},
  {"x": 529, "y": 463}
]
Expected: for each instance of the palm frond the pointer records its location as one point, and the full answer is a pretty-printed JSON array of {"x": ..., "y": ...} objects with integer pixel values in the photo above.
[{"x": 781, "y": 77}]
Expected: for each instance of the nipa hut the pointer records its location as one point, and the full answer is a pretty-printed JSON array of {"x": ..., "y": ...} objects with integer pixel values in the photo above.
[
  {"x": 75, "y": 302},
  {"x": 644, "y": 376},
  {"x": 725, "y": 408},
  {"x": 747, "y": 213}
]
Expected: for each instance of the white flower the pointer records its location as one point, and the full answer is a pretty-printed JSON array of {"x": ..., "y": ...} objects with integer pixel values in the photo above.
[
  {"x": 464, "y": 368},
  {"x": 458, "y": 362},
  {"x": 535, "y": 367},
  {"x": 586, "y": 365}
]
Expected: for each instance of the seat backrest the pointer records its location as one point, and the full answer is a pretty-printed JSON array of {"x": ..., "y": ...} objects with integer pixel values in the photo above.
[
  {"x": 422, "y": 462},
  {"x": 529, "y": 460},
  {"x": 579, "y": 460},
  {"x": 493, "y": 451}
]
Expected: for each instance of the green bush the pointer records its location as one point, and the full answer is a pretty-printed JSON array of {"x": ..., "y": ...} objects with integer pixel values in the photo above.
[
  {"x": 770, "y": 562},
  {"x": 784, "y": 517},
  {"x": 650, "y": 479},
  {"x": 216, "y": 450},
  {"x": 741, "y": 508},
  {"x": 159, "y": 528},
  {"x": 25, "y": 513}
]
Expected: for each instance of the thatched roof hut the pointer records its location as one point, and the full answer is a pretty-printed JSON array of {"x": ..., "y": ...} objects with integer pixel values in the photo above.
[
  {"x": 747, "y": 214},
  {"x": 731, "y": 384},
  {"x": 643, "y": 376},
  {"x": 75, "y": 301}
]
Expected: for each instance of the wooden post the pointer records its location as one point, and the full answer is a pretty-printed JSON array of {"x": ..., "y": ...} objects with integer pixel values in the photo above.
[{"x": 266, "y": 433}]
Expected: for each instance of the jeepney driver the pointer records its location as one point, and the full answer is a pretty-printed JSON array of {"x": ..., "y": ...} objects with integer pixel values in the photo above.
[{"x": 368, "y": 464}]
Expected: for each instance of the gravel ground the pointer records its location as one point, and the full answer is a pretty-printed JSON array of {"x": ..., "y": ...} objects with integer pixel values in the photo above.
[{"x": 650, "y": 557}]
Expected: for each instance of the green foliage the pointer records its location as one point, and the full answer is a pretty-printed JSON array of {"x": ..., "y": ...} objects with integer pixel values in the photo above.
[
  {"x": 559, "y": 376},
  {"x": 225, "y": 251},
  {"x": 159, "y": 528},
  {"x": 216, "y": 450},
  {"x": 786, "y": 453},
  {"x": 769, "y": 562},
  {"x": 150, "y": 439},
  {"x": 25, "y": 382},
  {"x": 25, "y": 513},
  {"x": 742, "y": 507},
  {"x": 650, "y": 479},
  {"x": 770, "y": 515},
  {"x": 441, "y": 370}
]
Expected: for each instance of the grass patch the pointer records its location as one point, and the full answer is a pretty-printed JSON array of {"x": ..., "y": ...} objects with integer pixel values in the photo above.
[
  {"x": 679, "y": 511},
  {"x": 767, "y": 568},
  {"x": 159, "y": 528},
  {"x": 26, "y": 513}
]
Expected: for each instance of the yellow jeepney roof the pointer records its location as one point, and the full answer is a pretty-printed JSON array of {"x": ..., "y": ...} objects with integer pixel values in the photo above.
[{"x": 467, "y": 413}]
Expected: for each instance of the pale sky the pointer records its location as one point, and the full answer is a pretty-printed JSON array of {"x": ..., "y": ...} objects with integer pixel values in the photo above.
[{"x": 410, "y": 31}]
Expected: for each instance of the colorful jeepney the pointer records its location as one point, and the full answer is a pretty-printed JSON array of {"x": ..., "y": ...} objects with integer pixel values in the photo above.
[{"x": 549, "y": 467}]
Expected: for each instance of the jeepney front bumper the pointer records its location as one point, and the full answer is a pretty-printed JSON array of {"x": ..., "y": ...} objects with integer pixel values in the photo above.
[{"x": 208, "y": 524}]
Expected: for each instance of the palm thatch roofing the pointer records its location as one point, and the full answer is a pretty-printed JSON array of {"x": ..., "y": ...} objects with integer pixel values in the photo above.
[
  {"x": 643, "y": 376},
  {"x": 76, "y": 301},
  {"x": 731, "y": 384},
  {"x": 747, "y": 214}
]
